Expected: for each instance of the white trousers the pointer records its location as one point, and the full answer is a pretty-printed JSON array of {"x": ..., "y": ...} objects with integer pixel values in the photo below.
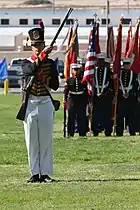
[{"x": 38, "y": 128}]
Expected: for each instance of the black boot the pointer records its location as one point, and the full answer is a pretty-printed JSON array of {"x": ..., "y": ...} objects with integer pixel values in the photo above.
[
  {"x": 46, "y": 178},
  {"x": 33, "y": 179},
  {"x": 95, "y": 133}
]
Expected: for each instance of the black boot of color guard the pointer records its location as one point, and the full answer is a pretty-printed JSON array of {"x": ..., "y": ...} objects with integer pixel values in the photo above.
[{"x": 33, "y": 179}]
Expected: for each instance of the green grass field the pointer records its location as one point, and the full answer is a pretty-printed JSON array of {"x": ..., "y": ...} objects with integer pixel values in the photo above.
[{"x": 93, "y": 173}]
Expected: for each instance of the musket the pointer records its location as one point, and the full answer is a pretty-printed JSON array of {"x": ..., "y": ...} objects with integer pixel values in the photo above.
[
  {"x": 61, "y": 25},
  {"x": 22, "y": 111},
  {"x": 54, "y": 39}
]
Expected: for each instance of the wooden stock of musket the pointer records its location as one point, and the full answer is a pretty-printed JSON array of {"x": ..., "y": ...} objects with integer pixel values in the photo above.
[{"x": 22, "y": 111}]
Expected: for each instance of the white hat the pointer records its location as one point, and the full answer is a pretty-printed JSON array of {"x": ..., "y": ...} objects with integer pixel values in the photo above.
[
  {"x": 101, "y": 56},
  {"x": 108, "y": 60},
  {"x": 127, "y": 60},
  {"x": 75, "y": 65},
  {"x": 81, "y": 60}
]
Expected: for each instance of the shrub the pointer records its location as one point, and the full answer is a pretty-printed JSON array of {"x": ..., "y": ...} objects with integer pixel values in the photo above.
[{"x": 36, "y": 2}]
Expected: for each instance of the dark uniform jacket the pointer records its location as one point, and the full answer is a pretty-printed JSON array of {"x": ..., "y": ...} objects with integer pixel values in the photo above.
[
  {"x": 75, "y": 92},
  {"x": 42, "y": 71},
  {"x": 103, "y": 85},
  {"x": 128, "y": 84}
]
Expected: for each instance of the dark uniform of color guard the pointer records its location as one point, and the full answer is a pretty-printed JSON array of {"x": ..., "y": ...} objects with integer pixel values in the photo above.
[
  {"x": 88, "y": 113},
  {"x": 76, "y": 95},
  {"x": 137, "y": 110},
  {"x": 127, "y": 99},
  {"x": 102, "y": 98}
]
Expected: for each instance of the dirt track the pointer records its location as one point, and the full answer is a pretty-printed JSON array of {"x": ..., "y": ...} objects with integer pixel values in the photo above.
[{"x": 77, "y": 3}]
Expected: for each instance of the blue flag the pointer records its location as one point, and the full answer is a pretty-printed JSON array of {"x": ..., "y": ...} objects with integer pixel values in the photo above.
[{"x": 3, "y": 70}]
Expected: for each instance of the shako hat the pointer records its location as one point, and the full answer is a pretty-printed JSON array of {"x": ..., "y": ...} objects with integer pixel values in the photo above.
[{"x": 36, "y": 36}]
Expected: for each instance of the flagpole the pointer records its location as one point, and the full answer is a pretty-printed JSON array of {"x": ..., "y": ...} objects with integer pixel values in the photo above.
[
  {"x": 107, "y": 14},
  {"x": 128, "y": 7},
  {"x": 116, "y": 72},
  {"x": 53, "y": 6}
]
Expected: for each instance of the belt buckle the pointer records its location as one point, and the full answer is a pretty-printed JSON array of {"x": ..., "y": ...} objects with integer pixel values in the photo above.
[{"x": 126, "y": 95}]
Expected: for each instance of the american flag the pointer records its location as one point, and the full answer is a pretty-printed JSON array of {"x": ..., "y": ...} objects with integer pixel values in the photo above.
[{"x": 91, "y": 60}]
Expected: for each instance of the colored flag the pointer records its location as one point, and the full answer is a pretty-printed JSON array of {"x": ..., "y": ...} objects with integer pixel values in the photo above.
[
  {"x": 68, "y": 54},
  {"x": 91, "y": 60},
  {"x": 3, "y": 70},
  {"x": 74, "y": 44},
  {"x": 110, "y": 48},
  {"x": 134, "y": 51},
  {"x": 116, "y": 70},
  {"x": 139, "y": 48},
  {"x": 128, "y": 39},
  {"x": 135, "y": 66},
  {"x": 118, "y": 52}
]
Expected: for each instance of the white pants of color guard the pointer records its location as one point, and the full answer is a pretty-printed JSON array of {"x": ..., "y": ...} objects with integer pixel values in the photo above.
[{"x": 38, "y": 127}]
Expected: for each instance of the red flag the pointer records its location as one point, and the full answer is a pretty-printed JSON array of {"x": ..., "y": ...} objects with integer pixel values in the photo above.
[
  {"x": 91, "y": 60},
  {"x": 133, "y": 52},
  {"x": 128, "y": 39},
  {"x": 135, "y": 66},
  {"x": 118, "y": 52},
  {"x": 139, "y": 48},
  {"x": 110, "y": 43},
  {"x": 133, "y": 49},
  {"x": 116, "y": 69}
]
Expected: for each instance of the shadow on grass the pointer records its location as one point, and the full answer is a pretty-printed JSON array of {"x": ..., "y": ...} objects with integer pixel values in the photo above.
[{"x": 99, "y": 180}]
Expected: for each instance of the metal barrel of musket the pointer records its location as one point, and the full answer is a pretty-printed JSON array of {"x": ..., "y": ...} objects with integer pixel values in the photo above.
[{"x": 61, "y": 25}]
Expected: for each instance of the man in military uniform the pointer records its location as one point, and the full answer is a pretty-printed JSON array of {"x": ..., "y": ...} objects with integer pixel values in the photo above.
[
  {"x": 127, "y": 99},
  {"x": 38, "y": 123},
  {"x": 89, "y": 105},
  {"x": 76, "y": 95},
  {"x": 102, "y": 97}
]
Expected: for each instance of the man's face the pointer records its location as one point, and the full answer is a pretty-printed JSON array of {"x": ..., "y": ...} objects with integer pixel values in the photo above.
[
  {"x": 76, "y": 72},
  {"x": 100, "y": 63},
  {"x": 126, "y": 65},
  {"x": 38, "y": 48}
]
